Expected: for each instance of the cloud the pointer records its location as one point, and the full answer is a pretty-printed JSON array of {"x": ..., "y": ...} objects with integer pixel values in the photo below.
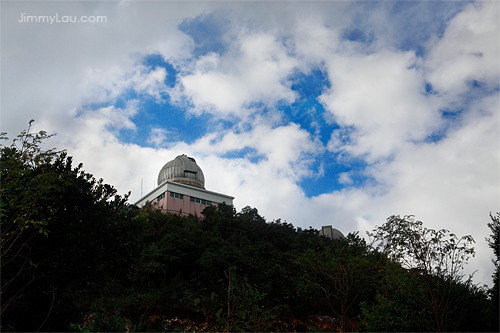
[
  {"x": 208, "y": 31},
  {"x": 313, "y": 40},
  {"x": 107, "y": 84},
  {"x": 287, "y": 149},
  {"x": 380, "y": 98},
  {"x": 344, "y": 178},
  {"x": 151, "y": 83},
  {"x": 252, "y": 72},
  {"x": 58, "y": 67},
  {"x": 158, "y": 136},
  {"x": 469, "y": 50},
  {"x": 450, "y": 184}
]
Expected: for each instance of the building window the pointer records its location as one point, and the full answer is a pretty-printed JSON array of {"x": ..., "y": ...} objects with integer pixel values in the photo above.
[
  {"x": 176, "y": 195},
  {"x": 190, "y": 174},
  {"x": 161, "y": 196},
  {"x": 198, "y": 200}
]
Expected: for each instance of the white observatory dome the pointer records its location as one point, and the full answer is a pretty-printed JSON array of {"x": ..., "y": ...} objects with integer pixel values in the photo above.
[
  {"x": 184, "y": 170},
  {"x": 331, "y": 232}
]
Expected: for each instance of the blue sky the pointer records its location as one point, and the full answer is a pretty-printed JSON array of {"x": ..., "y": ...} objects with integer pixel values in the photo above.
[{"x": 319, "y": 113}]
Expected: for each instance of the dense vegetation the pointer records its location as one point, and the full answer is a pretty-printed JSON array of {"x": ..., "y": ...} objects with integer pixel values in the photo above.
[{"x": 78, "y": 257}]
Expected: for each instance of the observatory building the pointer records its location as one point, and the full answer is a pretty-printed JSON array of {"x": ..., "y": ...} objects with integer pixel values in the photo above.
[{"x": 181, "y": 189}]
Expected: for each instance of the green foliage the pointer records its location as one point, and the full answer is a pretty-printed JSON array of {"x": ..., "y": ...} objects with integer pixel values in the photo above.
[
  {"x": 494, "y": 244},
  {"x": 339, "y": 281},
  {"x": 24, "y": 188},
  {"x": 394, "y": 314},
  {"x": 494, "y": 241},
  {"x": 24, "y": 214},
  {"x": 433, "y": 260},
  {"x": 59, "y": 238},
  {"x": 247, "y": 308},
  {"x": 76, "y": 256},
  {"x": 100, "y": 320},
  {"x": 408, "y": 242},
  {"x": 393, "y": 310}
]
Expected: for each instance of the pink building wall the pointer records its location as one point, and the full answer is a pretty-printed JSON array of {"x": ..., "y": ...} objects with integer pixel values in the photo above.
[{"x": 182, "y": 206}]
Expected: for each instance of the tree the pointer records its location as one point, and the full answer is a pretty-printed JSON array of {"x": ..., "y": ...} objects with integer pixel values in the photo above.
[
  {"x": 494, "y": 243},
  {"x": 24, "y": 185},
  {"x": 435, "y": 261},
  {"x": 59, "y": 235},
  {"x": 393, "y": 310},
  {"x": 340, "y": 277}
]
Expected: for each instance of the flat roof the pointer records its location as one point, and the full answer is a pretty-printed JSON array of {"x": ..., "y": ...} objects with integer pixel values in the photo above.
[{"x": 186, "y": 190}]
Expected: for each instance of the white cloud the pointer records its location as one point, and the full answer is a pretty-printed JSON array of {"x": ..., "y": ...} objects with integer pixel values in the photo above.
[
  {"x": 286, "y": 149},
  {"x": 314, "y": 40},
  {"x": 253, "y": 71},
  {"x": 380, "y": 96},
  {"x": 452, "y": 184},
  {"x": 469, "y": 50},
  {"x": 107, "y": 84},
  {"x": 158, "y": 136},
  {"x": 53, "y": 68},
  {"x": 90, "y": 126},
  {"x": 150, "y": 83},
  {"x": 345, "y": 178}
]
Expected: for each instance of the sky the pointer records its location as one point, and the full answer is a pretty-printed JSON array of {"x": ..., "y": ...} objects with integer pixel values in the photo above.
[{"x": 321, "y": 113}]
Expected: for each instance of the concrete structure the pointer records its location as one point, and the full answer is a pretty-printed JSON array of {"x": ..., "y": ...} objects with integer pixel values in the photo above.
[
  {"x": 330, "y": 232},
  {"x": 181, "y": 189}
]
